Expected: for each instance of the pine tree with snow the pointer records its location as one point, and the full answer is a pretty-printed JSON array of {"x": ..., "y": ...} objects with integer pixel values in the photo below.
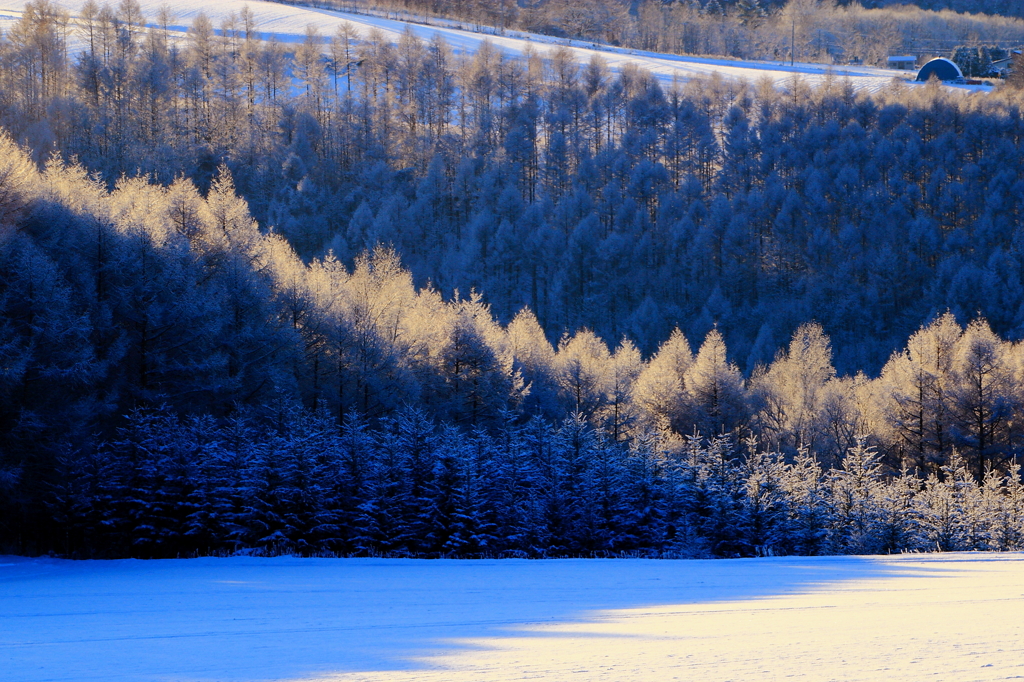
[
  {"x": 852, "y": 492},
  {"x": 952, "y": 518}
]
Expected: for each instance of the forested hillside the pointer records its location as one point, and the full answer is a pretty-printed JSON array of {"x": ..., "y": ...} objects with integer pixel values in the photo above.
[
  {"x": 188, "y": 378},
  {"x": 597, "y": 200},
  {"x": 807, "y": 30},
  {"x": 1006, "y": 8}
]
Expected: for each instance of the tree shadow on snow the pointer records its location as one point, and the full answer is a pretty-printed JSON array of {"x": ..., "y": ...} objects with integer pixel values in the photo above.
[{"x": 289, "y": 618}]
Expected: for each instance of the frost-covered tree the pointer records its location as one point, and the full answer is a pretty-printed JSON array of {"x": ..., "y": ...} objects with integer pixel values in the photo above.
[
  {"x": 715, "y": 390},
  {"x": 618, "y": 415},
  {"x": 853, "y": 490},
  {"x": 534, "y": 359},
  {"x": 793, "y": 389},
  {"x": 660, "y": 390},
  {"x": 584, "y": 366},
  {"x": 986, "y": 398},
  {"x": 919, "y": 387}
]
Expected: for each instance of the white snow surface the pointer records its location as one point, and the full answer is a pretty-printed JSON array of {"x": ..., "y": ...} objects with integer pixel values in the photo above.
[
  {"x": 957, "y": 617},
  {"x": 288, "y": 23}
]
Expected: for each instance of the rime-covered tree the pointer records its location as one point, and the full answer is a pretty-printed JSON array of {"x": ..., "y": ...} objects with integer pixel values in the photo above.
[{"x": 715, "y": 389}]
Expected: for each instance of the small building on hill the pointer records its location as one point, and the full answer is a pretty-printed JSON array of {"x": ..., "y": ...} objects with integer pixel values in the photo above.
[
  {"x": 1002, "y": 67},
  {"x": 902, "y": 62},
  {"x": 943, "y": 69}
]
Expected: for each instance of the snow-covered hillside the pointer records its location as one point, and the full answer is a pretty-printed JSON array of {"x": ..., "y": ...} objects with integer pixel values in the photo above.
[
  {"x": 288, "y": 23},
  {"x": 913, "y": 617}
]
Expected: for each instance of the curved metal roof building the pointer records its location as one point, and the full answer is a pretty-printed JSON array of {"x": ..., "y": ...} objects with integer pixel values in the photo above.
[{"x": 943, "y": 69}]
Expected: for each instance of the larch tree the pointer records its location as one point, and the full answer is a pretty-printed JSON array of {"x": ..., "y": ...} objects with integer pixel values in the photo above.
[
  {"x": 660, "y": 389},
  {"x": 343, "y": 44},
  {"x": 715, "y": 389},
  {"x": 793, "y": 388},
  {"x": 986, "y": 398},
  {"x": 619, "y": 415},
  {"x": 584, "y": 364},
  {"x": 919, "y": 384},
  {"x": 535, "y": 360}
]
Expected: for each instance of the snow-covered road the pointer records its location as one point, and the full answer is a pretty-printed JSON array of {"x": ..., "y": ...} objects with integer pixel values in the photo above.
[
  {"x": 288, "y": 23},
  {"x": 917, "y": 617}
]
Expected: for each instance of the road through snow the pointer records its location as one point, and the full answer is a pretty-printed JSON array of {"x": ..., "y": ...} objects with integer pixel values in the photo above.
[
  {"x": 955, "y": 617},
  {"x": 288, "y": 23}
]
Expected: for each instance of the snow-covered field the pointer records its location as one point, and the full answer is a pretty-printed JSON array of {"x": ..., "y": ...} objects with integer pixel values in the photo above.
[
  {"x": 955, "y": 617},
  {"x": 288, "y": 23}
]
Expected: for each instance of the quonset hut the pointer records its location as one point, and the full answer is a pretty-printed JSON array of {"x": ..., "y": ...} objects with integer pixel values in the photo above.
[{"x": 943, "y": 69}]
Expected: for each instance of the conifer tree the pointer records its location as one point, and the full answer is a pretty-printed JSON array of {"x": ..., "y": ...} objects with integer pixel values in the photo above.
[{"x": 715, "y": 390}]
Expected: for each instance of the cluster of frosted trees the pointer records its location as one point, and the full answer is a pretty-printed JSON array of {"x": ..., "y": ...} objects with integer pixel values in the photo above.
[
  {"x": 178, "y": 378},
  {"x": 587, "y": 208},
  {"x": 976, "y": 61},
  {"x": 596, "y": 199},
  {"x": 170, "y": 487}
]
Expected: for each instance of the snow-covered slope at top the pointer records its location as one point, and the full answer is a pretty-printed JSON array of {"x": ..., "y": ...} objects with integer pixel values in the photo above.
[{"x": 288, "y": 23}]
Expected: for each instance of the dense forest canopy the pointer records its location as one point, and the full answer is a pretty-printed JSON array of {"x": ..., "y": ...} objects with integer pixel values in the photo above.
[
  {"x": 542, "y": 182},
  {"x": 597, "y": 284}
]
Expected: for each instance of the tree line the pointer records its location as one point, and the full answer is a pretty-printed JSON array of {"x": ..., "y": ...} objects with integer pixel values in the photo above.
[
  {"x": 802, "y": 30},
  {"x": 155, "y": 341},
  {"x": 976, "y": 61},
  {"x": 540, "y": 206},
  {"x": 167, "y": 486}
]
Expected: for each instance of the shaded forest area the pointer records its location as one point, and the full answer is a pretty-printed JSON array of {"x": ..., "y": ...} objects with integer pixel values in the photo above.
[
  {"x": 167, "y": 487},
  {"x": 176, "y": 376}
]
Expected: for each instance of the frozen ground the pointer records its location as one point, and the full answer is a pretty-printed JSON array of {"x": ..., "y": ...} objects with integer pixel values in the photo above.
[
  {"x": 957, "y": 617},
  {"x": 288, "y": 23}
]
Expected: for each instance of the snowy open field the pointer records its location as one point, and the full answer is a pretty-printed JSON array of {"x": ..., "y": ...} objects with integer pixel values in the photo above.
[
  {"x": 288, "y": 23},
  {"x": 914, "y": 617}
]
